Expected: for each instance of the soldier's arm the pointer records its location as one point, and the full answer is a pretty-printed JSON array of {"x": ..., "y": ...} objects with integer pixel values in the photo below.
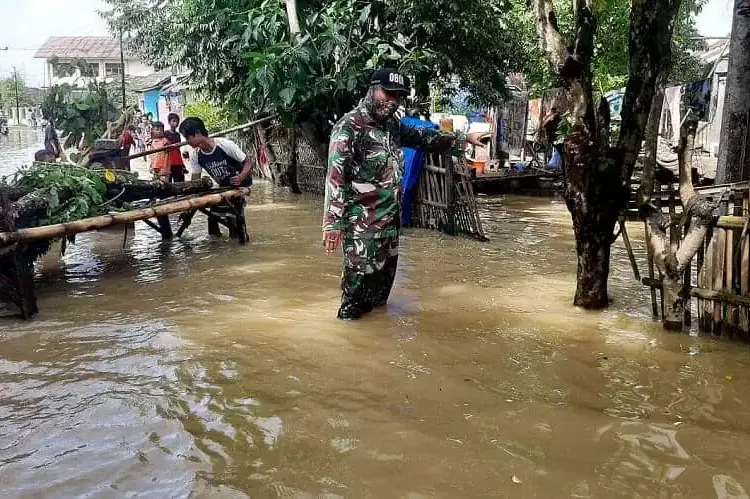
[
  {"x": 340, "y": 151},
  {"x": 431, "y": 140}
]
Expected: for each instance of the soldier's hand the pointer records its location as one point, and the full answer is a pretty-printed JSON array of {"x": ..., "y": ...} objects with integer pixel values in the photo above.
[
  {"x": 473, "y": 138},
  {"x": 332, "y": 239}
]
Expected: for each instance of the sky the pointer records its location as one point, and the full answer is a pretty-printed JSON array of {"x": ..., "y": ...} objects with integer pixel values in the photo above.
[{"x": 26, "y": 24}]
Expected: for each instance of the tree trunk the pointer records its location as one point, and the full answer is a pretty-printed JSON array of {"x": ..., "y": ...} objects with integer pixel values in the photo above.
[
  {"x": 593, "y": 268},
  {"x": 590, "y": 185},
  {"x": 155, "y": 189},
  {"x": 267, "y": 152},
  {"x": 291, "y": 13},
  {"x": 291, "y": 172},
  {"x": 597, "y": 179},
  {"x": 25, "y": 211},
  {"x": 734, "y": 150},
  {"x": 651, "y": 146}
]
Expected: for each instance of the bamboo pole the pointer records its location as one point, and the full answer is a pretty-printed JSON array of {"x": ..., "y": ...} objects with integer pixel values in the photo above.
[
  {"x": 718, "y": 277},
  {"x": 100, "y": 222},
  {"x": 729, "y": 263},
  {"x": 705, "y": 294},
  {"x": 687, "y": 315},
  {"x": 708, "y": 277},
  {"x": 699, "y": 278}
]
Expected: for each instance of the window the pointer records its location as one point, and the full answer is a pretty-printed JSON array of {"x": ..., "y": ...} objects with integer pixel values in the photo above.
[
  {"x": 91, "y": 69},
  {"x": 62, "y": 69},
  {"x": 112, "y": 69}
]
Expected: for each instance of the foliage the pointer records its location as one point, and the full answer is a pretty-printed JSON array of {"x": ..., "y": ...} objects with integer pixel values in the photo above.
[
  {"x": 240, "y": 52},
  {"x": 50, "y": 180},
  {"x": 215, "y": 118},
  {"x": 80, "y": 114},
  {"x": 8, "y": 92},
  {"x": 610, "y": 64}
]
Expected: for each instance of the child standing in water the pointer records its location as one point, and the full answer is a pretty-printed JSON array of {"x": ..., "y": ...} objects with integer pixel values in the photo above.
[{"x": 160, "y": 160}]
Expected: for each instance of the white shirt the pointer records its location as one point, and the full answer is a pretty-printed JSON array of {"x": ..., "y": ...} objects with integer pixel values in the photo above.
[{"x": 228, "y": 146}]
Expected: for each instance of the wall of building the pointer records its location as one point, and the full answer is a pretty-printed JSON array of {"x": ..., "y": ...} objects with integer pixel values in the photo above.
[
  {"x": 137, "y": 68},
  {"x": 132, "y": 68},
  {"x": 151, "y": 103}
]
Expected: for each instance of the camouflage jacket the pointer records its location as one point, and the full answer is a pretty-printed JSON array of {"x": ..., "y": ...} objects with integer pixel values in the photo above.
[{"x": 365, "y": 167}]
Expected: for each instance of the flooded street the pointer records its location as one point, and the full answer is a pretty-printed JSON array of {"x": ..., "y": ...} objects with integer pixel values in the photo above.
[
  {"x": 18, "y": 148},
  {"x": 200, "y": 368}
]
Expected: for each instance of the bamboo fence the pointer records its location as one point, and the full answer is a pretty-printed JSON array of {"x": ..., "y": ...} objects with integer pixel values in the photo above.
[
  {"x": 716, "y": 283},
  {"x": 445, "y": 199}
]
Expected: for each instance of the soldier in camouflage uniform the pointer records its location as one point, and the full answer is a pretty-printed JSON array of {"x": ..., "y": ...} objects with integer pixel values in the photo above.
[{"x": 362, "y": 198}]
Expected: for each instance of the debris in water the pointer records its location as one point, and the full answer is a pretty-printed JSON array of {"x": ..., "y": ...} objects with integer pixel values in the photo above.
[
  {"x": 516, "y": 480},
  {"x": 728, "y": 378}
]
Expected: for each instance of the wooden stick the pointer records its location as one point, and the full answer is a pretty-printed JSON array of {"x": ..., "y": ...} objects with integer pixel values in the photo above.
[
  {"x": 699, "y": 277},
  {"x": 708, "y": 277},
  {"x": 705, "y": 294},
  {"x": 729, "y": 262},
  {"x": 718, "y": 277},
  {"x": 100, "y": 222},
  {"x": 686, "y": 278}
]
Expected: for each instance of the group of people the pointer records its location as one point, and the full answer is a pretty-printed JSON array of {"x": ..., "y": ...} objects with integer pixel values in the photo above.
[
  {"x": 220, "y": 157},
  {"x": 146, "y": 135},
  {"x": 362, "y": 207}
]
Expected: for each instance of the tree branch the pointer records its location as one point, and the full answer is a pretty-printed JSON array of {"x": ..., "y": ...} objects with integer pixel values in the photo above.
[
  {"x": 585, "y": 31},
  {"x": 549, "y": 34},
  {"x": 650, "y": 48},
  {"x": 685, "y": 159}
]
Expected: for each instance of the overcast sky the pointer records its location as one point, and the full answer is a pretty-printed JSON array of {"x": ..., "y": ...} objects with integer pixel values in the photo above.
[{"x": 26, "y": 24}]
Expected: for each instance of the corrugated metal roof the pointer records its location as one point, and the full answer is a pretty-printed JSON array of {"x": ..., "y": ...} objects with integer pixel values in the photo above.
[
  {"x": 715, "y": 50},
  {"x": 80, "y": 47}
]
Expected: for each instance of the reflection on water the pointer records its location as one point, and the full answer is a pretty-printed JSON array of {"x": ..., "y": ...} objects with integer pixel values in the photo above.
[
  {"x": 200, "y": 368},
  {"x": 18, "y": 147}
]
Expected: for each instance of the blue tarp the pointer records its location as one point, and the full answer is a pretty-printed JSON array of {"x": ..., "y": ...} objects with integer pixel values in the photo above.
[{"x": 413, "y": 161}]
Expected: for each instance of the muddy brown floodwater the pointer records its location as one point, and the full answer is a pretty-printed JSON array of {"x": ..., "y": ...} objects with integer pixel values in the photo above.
[{"x": 198, "y": 368}]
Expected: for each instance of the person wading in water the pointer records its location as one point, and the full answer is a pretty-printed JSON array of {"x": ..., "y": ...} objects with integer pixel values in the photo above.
[{"x": 362, "y": 209}]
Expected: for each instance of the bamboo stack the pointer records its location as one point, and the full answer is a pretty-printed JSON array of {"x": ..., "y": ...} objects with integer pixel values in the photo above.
[{"x": 445, "y": 198}]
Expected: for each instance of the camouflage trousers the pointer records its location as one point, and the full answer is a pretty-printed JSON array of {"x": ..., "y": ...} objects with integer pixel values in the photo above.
[{"x": 369, "y": 271}]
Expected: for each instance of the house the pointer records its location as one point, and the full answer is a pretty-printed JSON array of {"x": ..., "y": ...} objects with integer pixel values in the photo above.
[
  {"x": 162, "y": 97},
  {"x": 79, "y": 60}
]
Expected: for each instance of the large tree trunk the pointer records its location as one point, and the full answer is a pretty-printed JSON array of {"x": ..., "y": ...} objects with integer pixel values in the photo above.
[
  {"x": 734, "y": 150},
  {"x": 597, "y": 180},
  {"x": 593, "y": 251},
  {"x": 591, "y": 182}
]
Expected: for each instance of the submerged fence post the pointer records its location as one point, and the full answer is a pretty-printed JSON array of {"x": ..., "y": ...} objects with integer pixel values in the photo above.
[{"x": 450, "y": 194}]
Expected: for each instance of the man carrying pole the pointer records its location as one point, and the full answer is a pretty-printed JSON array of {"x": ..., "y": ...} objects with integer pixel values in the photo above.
[{"x": 362, "y": 209}]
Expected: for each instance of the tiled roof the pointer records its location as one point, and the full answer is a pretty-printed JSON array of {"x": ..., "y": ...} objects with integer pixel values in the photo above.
[{"x": 80, "y": 47}]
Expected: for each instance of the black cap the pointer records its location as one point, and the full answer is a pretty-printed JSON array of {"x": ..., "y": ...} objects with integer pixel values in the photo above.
[{"x": 391, "y": 80}]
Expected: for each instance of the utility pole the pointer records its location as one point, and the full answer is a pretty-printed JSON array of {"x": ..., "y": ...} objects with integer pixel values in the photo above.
[
  {"x": 122, "y": 72},
  {"x": 18, "y": 113}
]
